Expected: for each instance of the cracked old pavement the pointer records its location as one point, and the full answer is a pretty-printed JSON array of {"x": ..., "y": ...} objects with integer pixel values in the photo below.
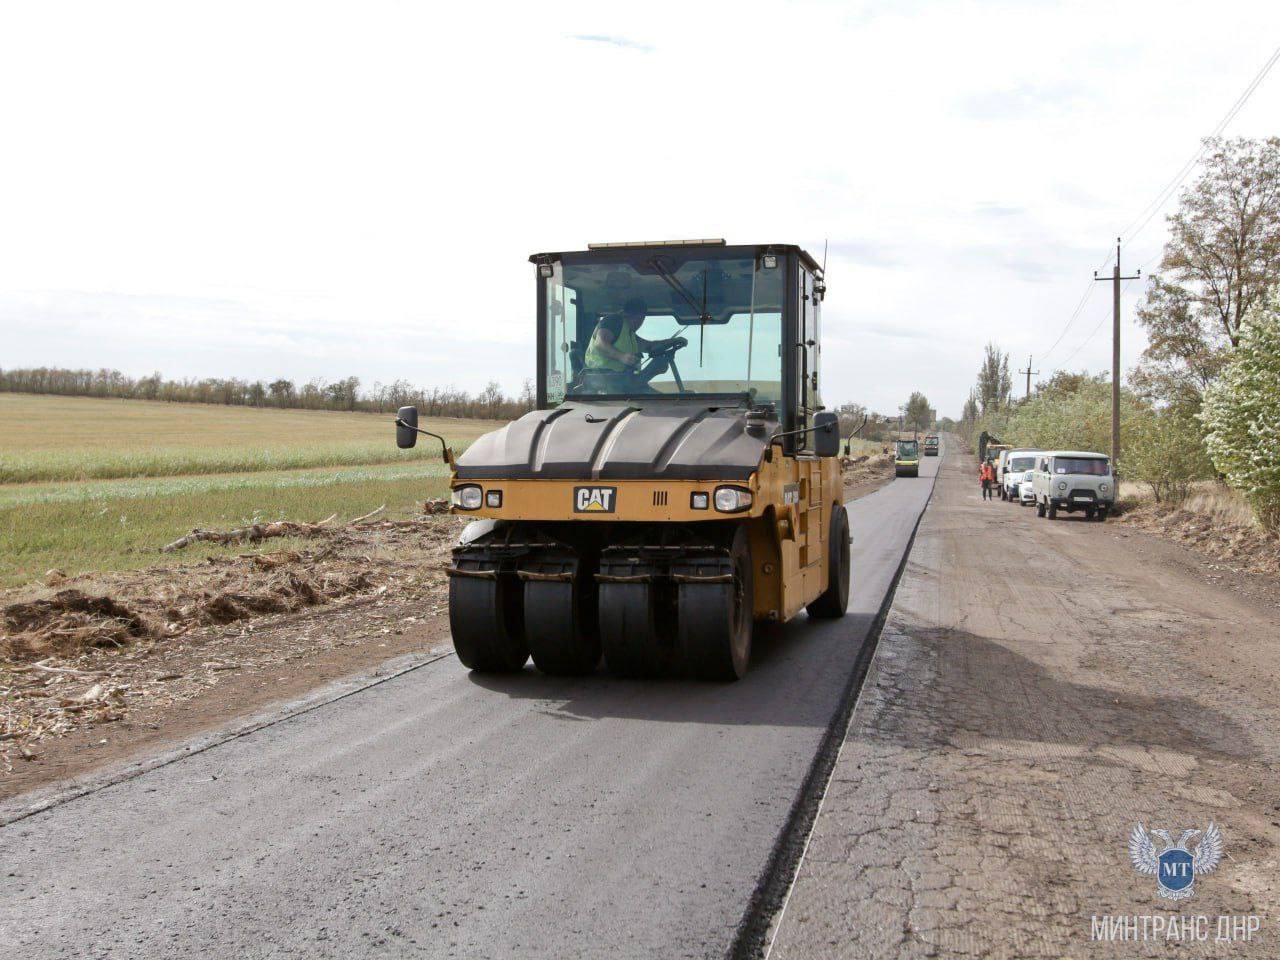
[{"x": 1039, "y": 688}]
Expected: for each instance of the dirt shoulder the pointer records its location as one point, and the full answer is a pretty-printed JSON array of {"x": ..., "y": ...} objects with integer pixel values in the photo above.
[
  {"x": 865, "y": 474},
  {"x": 1040, "y": 688},
  {"x": 103, "y": 668}
]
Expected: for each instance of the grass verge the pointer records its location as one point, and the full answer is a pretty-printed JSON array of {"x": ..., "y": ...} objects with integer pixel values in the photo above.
[{"x": 81, "y": 536}]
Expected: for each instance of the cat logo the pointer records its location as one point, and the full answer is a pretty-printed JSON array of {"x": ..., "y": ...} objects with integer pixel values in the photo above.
[{"x": 594, "y": 499}]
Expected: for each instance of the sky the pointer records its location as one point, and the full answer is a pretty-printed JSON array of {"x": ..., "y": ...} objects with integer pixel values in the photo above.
[{"x": 320, "y": 190}]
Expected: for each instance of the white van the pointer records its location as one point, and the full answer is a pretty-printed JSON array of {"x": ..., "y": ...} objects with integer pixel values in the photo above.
[
  {"x": 1012, "y": 469},
  {"x": 1073, "y": 480}
]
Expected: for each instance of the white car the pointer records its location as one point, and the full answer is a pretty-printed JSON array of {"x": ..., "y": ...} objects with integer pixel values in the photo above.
[
  {"x": 1074, "y": 480},
  {"x": 1026, "y": 492}
]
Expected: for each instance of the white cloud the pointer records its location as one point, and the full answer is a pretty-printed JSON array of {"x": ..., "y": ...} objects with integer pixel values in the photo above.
[{"x": 306, "y": 190}]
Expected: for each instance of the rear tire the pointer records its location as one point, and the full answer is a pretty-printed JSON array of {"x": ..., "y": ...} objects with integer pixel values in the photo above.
[
  {"x": 715, "y": 620},
  {"x": 560, "y": 622},
  {"x": 1039, "y": 509},
  {"x": 835, "y": 599},
  {"x": 485, "y": 619}
]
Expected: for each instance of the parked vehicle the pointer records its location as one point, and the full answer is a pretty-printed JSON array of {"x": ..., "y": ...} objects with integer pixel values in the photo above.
[
  {"x": 1025, "y": 489},
  {"x": 1074, "y": 480},
  {"x": 1010, "y": 469}
]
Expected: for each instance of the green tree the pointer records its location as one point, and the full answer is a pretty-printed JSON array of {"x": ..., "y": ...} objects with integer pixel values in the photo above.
[
  {"x": 1241, "y": 413},
  {"x": 995, "y": 383},
  {"x": 919, "y": 415},
  {"x": 1223, "y": 254}
]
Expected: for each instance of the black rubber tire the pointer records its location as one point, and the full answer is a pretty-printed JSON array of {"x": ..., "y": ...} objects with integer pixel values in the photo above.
[
  {"x": 485, "y": 619},
  {"x": 1102, "y": 514},
  {"x": 715, "y": 620},
  {"x": 560, "y": 623},
  {"x": 1003, "y": 495},
  {"x": 834, "y": 601},
  {"x": 1089, "y": 513},
  {"x": 629, "y": 630},
  {"x": 1053, "y": 512},
  {"x": 1039, "y": 509}
]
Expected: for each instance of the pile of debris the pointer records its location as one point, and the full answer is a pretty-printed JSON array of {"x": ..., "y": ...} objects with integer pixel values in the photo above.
[
  {"x": 1245, "y": 546},
  {"x": 865, "y": 469},
  {"x": 83, "y": 653}
]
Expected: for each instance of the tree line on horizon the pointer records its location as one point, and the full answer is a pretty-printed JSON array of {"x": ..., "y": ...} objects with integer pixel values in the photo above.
[{"x": 491, "y": 403}]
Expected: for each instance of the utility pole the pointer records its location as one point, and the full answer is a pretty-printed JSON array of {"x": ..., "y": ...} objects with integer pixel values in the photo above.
[
  {"x": 1115, "y": 355},
  {"x": 1030, "y": 373}
]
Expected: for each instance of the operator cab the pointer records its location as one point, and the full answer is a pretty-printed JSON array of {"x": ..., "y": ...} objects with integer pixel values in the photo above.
[{"x": 655, "y": 323}]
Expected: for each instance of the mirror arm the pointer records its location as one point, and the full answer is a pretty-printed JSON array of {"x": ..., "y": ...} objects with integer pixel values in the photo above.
[
  {"x": 445, "y": 455},
  {"x": 791, "y": 433}
]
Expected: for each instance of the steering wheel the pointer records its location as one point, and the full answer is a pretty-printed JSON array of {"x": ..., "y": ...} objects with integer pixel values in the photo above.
[
  {"x": 667, "y": 348},
  {"x": 665, "y": 352}
]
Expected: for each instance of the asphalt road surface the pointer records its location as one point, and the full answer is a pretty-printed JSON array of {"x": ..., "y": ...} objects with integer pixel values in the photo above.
[{"x": 445, "y": 814}]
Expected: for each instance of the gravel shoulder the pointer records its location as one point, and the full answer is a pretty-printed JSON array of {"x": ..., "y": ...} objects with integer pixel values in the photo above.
[{"x": 1039, "y": 688}]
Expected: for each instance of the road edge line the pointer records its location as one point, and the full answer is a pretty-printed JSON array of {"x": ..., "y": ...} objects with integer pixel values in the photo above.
[{"x": 762, "y": 918}]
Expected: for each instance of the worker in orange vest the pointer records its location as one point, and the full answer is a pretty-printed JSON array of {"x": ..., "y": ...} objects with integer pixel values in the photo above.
[{"x": 988, "y": 476}]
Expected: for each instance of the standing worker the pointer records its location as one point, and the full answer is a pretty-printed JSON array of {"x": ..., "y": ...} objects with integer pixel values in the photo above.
[{"x": 988, "y": 476}]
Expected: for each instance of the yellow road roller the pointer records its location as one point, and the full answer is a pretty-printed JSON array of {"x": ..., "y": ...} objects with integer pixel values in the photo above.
[{"x": 677, "y": 480}]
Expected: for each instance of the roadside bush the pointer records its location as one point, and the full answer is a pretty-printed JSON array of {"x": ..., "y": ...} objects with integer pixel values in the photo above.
[
  {"x": 1241, "y": 413},
  {"x": 1164, "y": 449},
  {"x": 1079, "y": 419}
]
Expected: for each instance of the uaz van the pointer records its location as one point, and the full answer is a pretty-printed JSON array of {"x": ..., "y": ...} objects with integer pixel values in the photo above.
[{"x": 1074, "y": 480}]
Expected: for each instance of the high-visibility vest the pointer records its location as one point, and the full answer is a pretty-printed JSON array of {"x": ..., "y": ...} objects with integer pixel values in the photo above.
[{"x": 625, "y": 342}]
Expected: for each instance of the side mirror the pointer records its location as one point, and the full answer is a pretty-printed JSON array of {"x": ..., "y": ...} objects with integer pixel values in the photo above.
[
  {"x": 406, "y": 427},
  {"x": 826, "y": 433}
]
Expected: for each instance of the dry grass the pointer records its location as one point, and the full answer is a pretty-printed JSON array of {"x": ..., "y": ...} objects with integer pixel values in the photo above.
[{"x": 1215, "y": 521}]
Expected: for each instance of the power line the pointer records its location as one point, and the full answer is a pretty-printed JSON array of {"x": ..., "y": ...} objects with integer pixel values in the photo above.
[
  {"x": 1085, "y": 342},
  {"x": 1163, "y": 197},
  {"x": 1155, "y": 206},
  {"x": 1084, "y": 298}
]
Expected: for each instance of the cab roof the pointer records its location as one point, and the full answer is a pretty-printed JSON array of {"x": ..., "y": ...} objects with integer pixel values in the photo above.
[{"x": 758, "y": 248}]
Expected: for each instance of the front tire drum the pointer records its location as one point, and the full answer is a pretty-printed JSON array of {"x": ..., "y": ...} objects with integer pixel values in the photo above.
[{"x": 485, "y": 620}]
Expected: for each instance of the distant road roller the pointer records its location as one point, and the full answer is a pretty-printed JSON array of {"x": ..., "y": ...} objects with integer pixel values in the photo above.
[{"x": 678, "y": 480}]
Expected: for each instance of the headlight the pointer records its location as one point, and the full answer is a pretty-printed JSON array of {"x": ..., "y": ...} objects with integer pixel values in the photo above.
[
  {"x": 732, "y": 499},
  {"x": 1104, "y": 487},
  {"x": 466, "y": 498},
  {"x": 1062, "y": 484}
]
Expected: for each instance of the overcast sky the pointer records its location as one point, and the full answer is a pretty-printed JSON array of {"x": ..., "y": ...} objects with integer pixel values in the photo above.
[{"x": 322, "y": 190}]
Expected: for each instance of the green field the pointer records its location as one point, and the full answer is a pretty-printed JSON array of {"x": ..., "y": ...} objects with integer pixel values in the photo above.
[{"x": 89, "y": 485}]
